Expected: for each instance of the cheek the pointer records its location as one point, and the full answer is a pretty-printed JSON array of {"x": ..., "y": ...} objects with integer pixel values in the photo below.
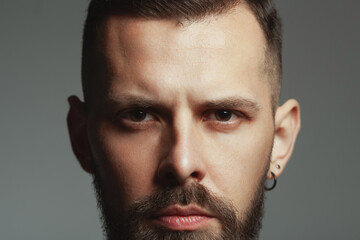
[
  {"x": 239, "y": 163},
  {"x": 127, "y": 163}
]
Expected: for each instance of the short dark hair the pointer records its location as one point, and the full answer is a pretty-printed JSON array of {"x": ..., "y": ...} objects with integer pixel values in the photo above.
[{"x": 264, "y": 11}]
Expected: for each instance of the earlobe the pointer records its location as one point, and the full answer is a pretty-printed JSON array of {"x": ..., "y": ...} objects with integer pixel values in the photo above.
[
  {"x": 287, "y": 126},
  {"x": 76, "y": 122}
]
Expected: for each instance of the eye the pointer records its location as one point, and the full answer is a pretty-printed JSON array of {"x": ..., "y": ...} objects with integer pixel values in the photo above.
[
  {"x": 138, "y": 116},
  {"x": 224, "y": 119},
  {"x": 224, "y": 115}
]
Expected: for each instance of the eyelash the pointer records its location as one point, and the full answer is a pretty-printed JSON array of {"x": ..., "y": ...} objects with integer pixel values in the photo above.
[
  {"x": 125, "y": 117},
  {"x": 235, "y": 116}
]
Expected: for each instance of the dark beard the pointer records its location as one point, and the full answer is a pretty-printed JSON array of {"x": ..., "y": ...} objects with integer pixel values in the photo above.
[{"x": 132, "y": 224}]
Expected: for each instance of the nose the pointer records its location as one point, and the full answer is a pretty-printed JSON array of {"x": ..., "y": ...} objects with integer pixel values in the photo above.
[{"x": 183, "y": 161}]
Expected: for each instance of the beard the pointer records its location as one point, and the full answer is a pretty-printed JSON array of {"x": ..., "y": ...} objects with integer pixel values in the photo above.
[{"x": 132, "y": 224}]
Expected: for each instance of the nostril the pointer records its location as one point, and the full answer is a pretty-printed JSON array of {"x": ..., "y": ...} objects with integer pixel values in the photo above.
[
  {"x": 194, "y": 174},
  {"x": 170, "y": 176},
  {"x": 169, "y": 179}
]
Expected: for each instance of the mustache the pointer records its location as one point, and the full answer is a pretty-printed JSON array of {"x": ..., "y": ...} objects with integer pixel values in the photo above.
[
  {"x": 148, "y": 207},
  {"x": 133, "y": 222}
]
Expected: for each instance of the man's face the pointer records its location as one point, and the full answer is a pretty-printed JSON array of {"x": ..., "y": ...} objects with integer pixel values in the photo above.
[{"x": 179, "y": 108}]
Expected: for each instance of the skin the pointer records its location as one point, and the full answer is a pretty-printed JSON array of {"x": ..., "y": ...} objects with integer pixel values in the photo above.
[{"x": 182, "y": 76}]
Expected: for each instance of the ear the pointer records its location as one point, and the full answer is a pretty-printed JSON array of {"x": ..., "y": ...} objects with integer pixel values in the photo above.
[
  {"x": 287, "y": 126},
  {"x": 76, "y": 121}
]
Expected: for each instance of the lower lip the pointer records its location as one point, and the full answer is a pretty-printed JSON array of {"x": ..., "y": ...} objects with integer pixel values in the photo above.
[{"x": 183, "y": 223}]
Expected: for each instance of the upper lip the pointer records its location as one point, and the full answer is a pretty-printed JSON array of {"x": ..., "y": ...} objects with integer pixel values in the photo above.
[{"x": 177, "y": 210}]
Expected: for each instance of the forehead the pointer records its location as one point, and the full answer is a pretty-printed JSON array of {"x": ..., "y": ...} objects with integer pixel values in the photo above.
[{"x": 146, "y": 56}]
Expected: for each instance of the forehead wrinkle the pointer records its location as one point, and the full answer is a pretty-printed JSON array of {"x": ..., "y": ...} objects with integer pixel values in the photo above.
[
  {"x": 195, "y": 36},
  {"x": 170, "y": 55}
]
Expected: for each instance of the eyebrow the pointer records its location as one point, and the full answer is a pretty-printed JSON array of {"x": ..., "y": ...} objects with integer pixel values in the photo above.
[
  {"x": 130, "y": 100},
  {"x": 245, "y": 104},
  {"x": 249, "y": 105},
  {"x": 138, "y": 102}
]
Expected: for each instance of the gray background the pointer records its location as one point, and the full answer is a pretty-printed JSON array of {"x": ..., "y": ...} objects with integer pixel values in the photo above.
[{"x": 44, "y": 194}]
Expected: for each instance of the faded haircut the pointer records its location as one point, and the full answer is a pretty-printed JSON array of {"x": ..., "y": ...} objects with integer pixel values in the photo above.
[{"x": 189, "y": 10}]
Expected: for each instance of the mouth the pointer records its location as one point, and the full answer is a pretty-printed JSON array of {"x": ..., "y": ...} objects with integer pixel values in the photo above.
[{"x": 183, "y": 218}]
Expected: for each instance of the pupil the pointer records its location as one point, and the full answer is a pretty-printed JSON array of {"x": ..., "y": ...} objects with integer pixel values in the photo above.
[
  {"x": 138, "y": 116},
  {"x": 223, "y": 115}
]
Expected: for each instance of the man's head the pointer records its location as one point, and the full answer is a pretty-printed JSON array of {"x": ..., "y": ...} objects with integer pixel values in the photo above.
[{"x": 180, "y": 125}]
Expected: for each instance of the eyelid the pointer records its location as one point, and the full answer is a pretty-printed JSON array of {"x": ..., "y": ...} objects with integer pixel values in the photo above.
[
  {"x": 238, "y": 114},
  {"x": 124, "y": 114}
]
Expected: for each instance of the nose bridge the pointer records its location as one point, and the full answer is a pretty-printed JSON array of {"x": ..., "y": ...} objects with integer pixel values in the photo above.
[
  {"x": 183, "y": 161},
  {"x": 182, "y": 137}
]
